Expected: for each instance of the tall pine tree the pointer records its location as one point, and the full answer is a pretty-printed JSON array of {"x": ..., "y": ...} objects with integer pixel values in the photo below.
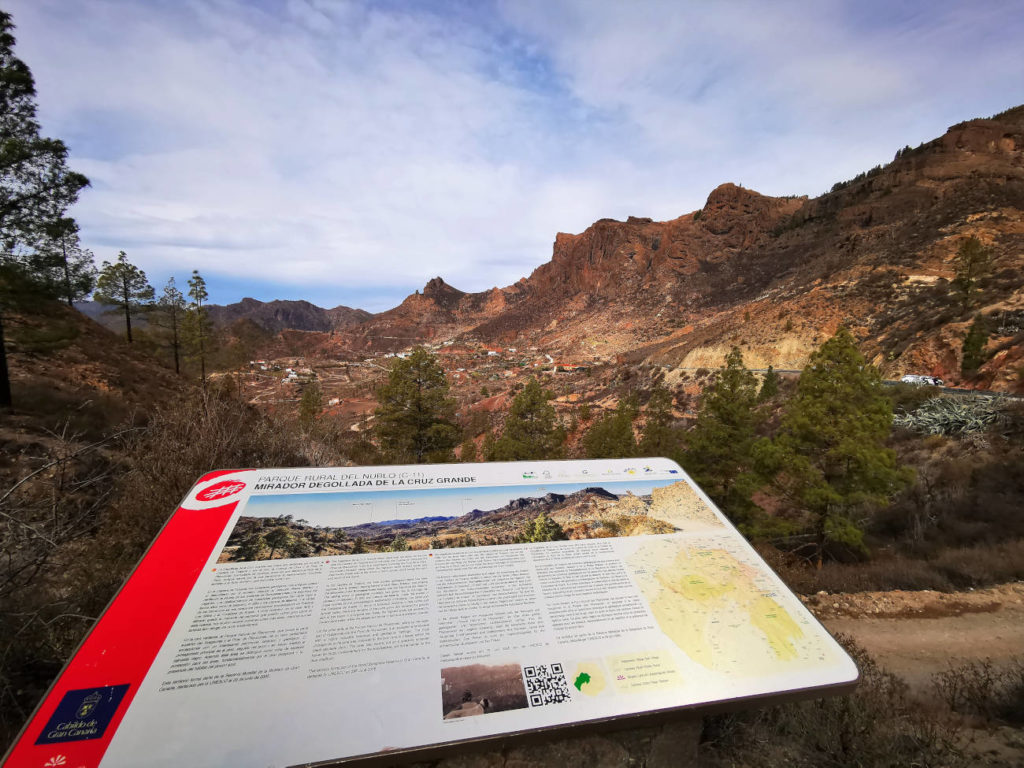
[
  {"x": 198, "y": 328},
  {"x": 169, "y": 316},
  {"x": 769, "y": 385},
  {"x": 36, "y": 189},
  {"x": 611, "y": 436},
  {"x": 68, "y": 269},
  {"x": 720, "y": 448},
  {"x": 124, "y": 286},
  {"x": 973, "y": 349},
  {"x": 415, "y": 416},
  {"x": 973, "y": 261},
  {"x": 310, "y": 405},
  {"x": 532, "y": 429},
  {"x": 830, "y": 454},
  {"x": 660, "y": 436}
]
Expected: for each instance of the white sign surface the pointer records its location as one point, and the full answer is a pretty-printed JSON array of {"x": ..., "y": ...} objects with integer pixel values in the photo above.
[{"x": 340, "y": 613}]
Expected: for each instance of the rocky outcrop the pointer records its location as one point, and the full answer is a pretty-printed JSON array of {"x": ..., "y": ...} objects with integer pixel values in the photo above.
[{"x": 741, "y": 216}]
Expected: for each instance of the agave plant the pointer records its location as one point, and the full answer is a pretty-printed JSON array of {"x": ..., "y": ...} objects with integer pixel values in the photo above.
[{"x": 954, "y": 415}]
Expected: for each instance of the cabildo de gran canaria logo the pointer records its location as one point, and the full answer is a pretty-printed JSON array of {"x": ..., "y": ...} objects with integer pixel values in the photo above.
[{"x": 83, "y": 714}]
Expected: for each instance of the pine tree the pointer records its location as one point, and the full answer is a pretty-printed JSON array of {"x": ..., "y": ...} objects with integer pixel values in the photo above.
[
  {"x": 611, "y": 436},
  {"x": 532, "y": 429},
  {"x": 487, "y": 447},
  {"x": 169, "y": 315},
  {"x": 124, "y": 286},
  {"x": 414, "y": 419},
  {"x": 660, "y": 437},
  {"x": 830, "y": 454},
  {"x": 468, "y": 452},
  {"x": 720, "y": 447},
  {"x": 973, "y": 350},
  {"x": 278, "y": 538},
  {"x": 36, "y": 189},
  {"x": 400, "y": 544},
  {"x": 769, "y": 386},
  {"x": 973, "y": 261},
  {"x": 67, "y": 269},
  {"x": 543, "y": 528},
  {"x": 253, "y": 548},
  {"x": 198, "y": 328},
  {"x": 310, "y": 405},
  {"x": 299, "y": 547},
  {"x": 358, "y": 546}
]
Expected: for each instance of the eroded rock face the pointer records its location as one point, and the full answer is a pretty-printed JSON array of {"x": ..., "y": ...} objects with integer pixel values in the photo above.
[
  {"x": 774, "y": 275},
  {"x": 740, "y": 216}
]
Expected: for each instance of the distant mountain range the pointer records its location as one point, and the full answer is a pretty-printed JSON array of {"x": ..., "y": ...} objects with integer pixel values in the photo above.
[
  {"x": 774, "y": 275},
  {"x": 278, "y": 316},
  {"x": 415, "y": 521},
  {"x": 502, "y": 524},
  {"x": 272, "y": 316}
]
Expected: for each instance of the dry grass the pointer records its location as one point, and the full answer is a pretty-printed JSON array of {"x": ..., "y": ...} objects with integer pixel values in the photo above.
[
  {"x": 876, "y": 726},
  {"x": 948, "y": 570},
  {"x": 983, "y": 689},
  {"x": 113, "y": 501}
]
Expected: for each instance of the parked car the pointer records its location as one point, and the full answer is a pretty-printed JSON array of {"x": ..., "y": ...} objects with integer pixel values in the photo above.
[{"x": 914, "y": 378}]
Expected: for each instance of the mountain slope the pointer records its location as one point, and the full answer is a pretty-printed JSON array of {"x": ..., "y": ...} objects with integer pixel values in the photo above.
[{"x": 773, "y": 275}]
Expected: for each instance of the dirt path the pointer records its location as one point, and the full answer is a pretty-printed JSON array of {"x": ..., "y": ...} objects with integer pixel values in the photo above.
[{"x": 916, "y": 634}]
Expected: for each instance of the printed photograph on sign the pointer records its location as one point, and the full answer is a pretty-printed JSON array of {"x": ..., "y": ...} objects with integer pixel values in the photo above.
[
  {"x": 479, "y": 689},
  {"x": 330, "y": 524}
]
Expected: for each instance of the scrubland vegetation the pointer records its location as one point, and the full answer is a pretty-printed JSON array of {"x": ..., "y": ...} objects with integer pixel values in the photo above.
[
  {"x": 94, "y": 480},
  {"x": 950, "y": 521}
]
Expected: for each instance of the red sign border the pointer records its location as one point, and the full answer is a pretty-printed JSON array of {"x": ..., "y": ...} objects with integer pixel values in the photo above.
[{"x": 120, "y": 648}]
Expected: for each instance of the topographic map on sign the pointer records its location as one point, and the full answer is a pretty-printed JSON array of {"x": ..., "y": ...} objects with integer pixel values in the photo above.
[{"x": 723, "y": 611}]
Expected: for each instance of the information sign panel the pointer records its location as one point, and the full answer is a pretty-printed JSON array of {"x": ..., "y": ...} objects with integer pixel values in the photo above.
[{"x": 311, "y": 616}]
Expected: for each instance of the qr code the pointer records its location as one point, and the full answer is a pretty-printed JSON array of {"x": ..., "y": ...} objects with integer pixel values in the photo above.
[{"x": 546, "y": 684}]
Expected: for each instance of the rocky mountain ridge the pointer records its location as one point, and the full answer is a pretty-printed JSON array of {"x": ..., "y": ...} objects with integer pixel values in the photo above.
[
  {"x": 279, "y": 315},
  {"x": 774, "y": 275}
]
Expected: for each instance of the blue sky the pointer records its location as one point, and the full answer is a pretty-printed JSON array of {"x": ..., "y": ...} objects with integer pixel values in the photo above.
[
  {"x": 357, "y": 507},
  {"x": 346, "y": 152}
]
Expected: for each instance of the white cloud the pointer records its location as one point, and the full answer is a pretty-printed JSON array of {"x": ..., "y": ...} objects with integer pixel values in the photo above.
[{"x": 317, "y": 143}]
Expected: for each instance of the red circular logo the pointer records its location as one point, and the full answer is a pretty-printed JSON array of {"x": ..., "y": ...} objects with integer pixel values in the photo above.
[{"x": 220, "y": 490}]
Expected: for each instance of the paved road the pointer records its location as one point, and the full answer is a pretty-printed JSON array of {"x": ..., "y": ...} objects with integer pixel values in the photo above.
[{"x": 888, "y": 382}]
